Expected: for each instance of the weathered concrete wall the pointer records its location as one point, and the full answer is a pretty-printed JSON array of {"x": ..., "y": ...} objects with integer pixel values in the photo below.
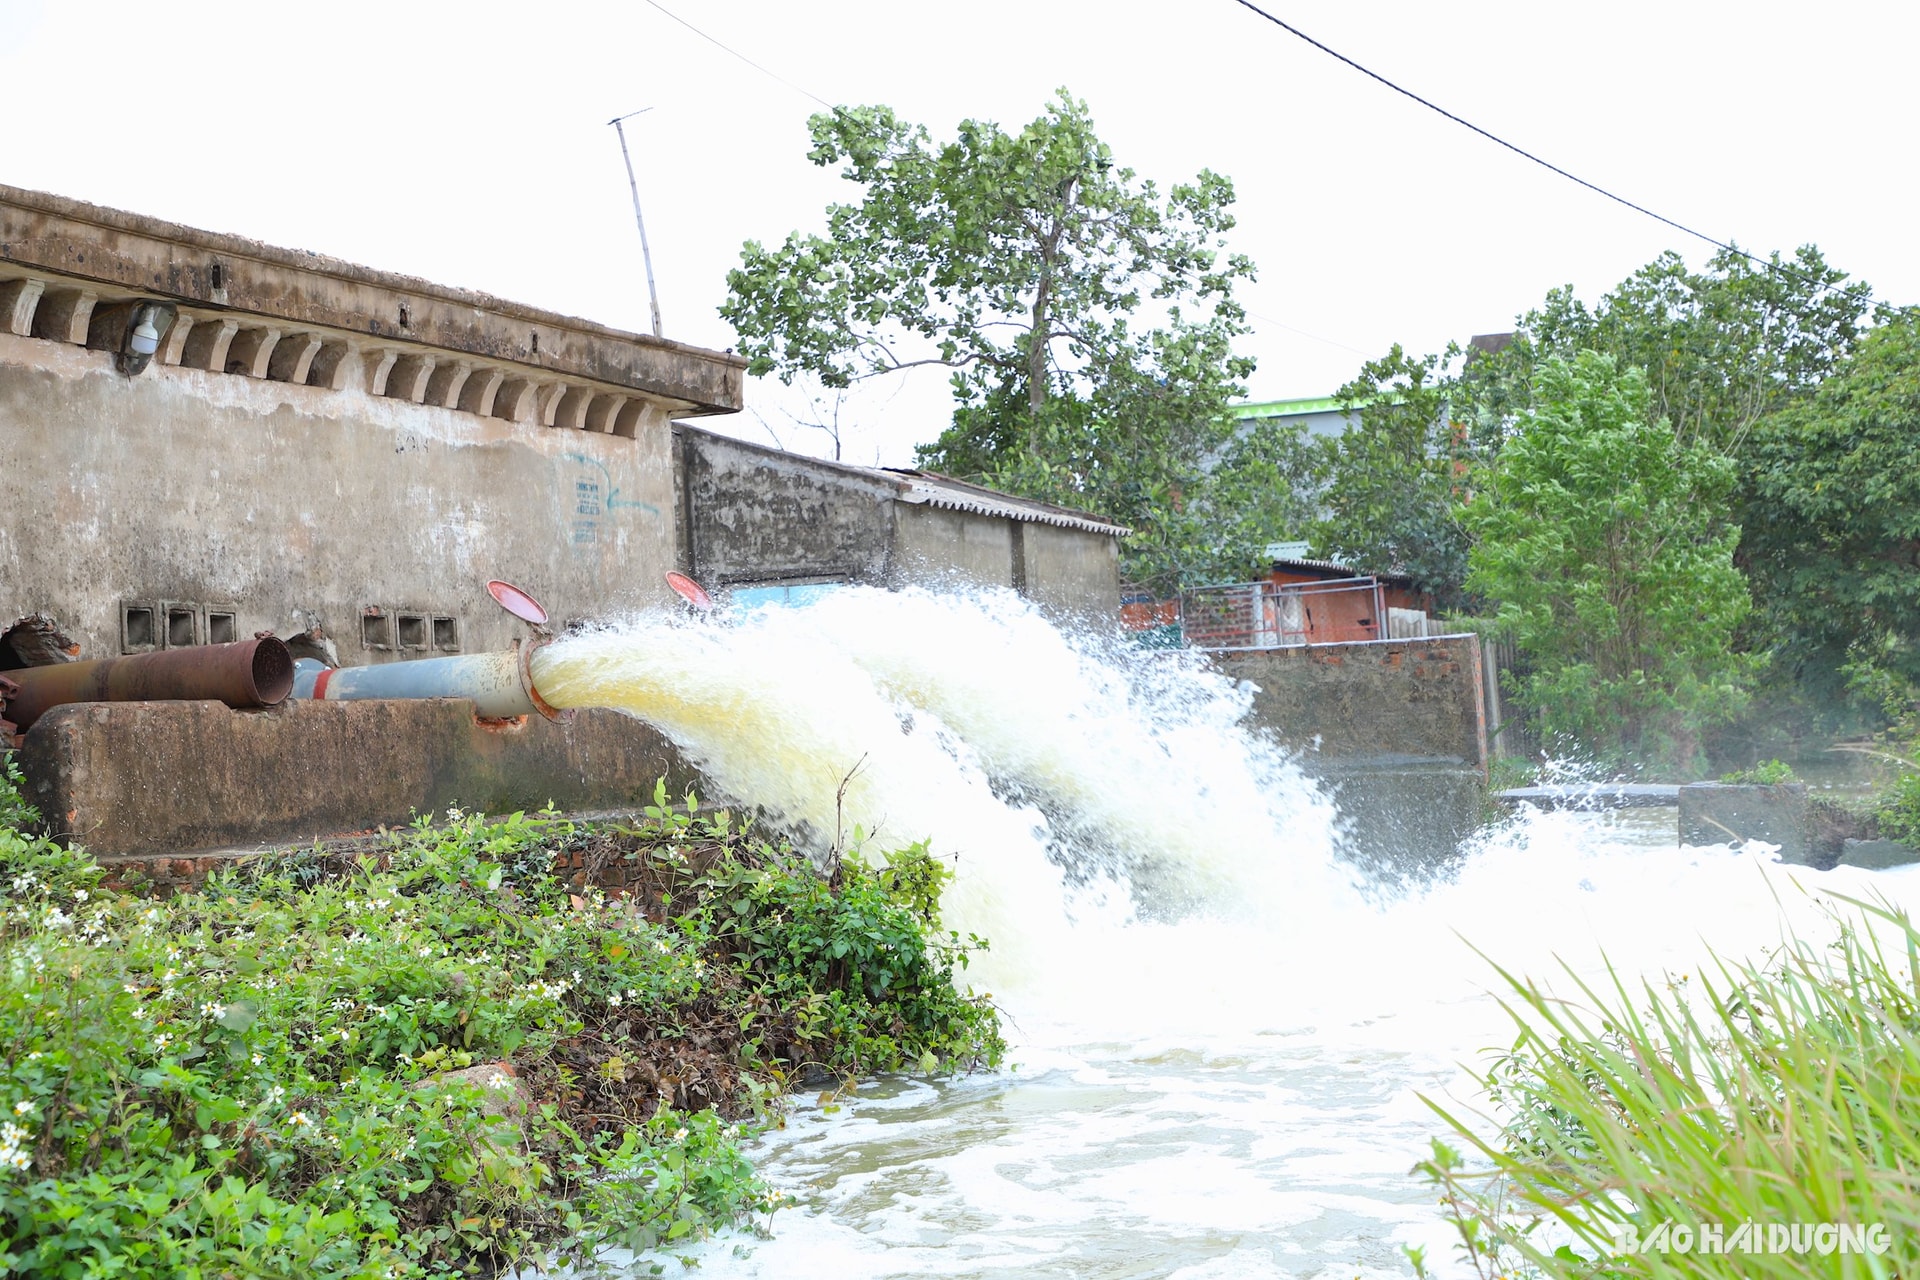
[
  {"x": 1071, "y": 574},
  {"x": 1394, "y": 727},
  {"x": 951, "y": 548},
  {"x": 1731, "y": 813},
  {"x": 169, "y": 778},
  {"x": 759, "y": 515},
  {"x": 314, "y": 444},
  {"x": 748, "y": 514},
  {"x": 1403, "y": 820},
  {"x": 1382, "y": 700},
  {"x": 292, "y": 507}
]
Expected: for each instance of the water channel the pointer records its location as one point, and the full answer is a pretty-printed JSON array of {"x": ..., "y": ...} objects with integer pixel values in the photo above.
[{"x": 1223, "y": 1026}]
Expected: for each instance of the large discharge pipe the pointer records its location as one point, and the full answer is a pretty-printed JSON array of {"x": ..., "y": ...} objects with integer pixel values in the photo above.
[
  {"x": 250, "y": 673},
  {"x": 499, "y": 684}
]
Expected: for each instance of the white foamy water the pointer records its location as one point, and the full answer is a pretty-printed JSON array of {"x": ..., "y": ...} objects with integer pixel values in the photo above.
[{"x": 1221, "y": 1027}]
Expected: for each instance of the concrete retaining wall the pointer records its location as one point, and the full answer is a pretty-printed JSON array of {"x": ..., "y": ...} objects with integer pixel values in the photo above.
[
  {"x": 1395, "y": 727},
  {"x": 1731, "y": 813},
  {"x": 1377, "y": 700},
  {"x": 173, "y": 778}
]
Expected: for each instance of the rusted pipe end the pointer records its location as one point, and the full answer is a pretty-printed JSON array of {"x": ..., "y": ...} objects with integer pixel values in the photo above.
[
  {"x": 272, "y": 671},
  {"x": 540, "y": 704}
]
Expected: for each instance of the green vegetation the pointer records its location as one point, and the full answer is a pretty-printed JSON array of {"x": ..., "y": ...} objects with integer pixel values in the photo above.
[
  {"x": 1392, "y": 481},
  {"x": 1791, "y": 420},
  {"x": 1086, "y": 319},
  {"x": 1777, "y": 1093},
  {"x": 441, "y": 1059},
  {"x": 1768, "y": 773},
  {"x": 1087, "y": 322},
  {"x": 1899, "y": 813},
  {"x": 1833, "y": 538},
  {"x": 1602, "y": 538}
]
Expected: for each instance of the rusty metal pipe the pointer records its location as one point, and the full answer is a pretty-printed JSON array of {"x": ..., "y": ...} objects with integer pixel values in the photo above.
[{"x": 250, "y": 673}]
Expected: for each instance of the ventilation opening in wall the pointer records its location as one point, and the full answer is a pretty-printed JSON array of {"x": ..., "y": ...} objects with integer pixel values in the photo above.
[
  {"x": 376, "y": 629},
  {"x": 413, "y": 630},
  {"x": 446, "y": 635},
  {"x": 222, "y": 628},
  {"x": 182, "y": 628},
  {"x": 137, "y": 631}
]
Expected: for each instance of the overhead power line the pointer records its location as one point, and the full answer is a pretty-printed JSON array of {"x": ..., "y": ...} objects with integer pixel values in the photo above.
[
  {"x": 1437, "y": 109},
  {"x": 727, "y": 49}
]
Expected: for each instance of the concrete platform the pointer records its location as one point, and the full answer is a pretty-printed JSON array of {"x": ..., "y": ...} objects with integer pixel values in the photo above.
[
  {"x": 1594, "y": 795},
  {"x": 146, "y": 779}
]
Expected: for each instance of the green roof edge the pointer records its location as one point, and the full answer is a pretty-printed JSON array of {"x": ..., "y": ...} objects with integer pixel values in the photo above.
[{"x": 1295, "y": 408}]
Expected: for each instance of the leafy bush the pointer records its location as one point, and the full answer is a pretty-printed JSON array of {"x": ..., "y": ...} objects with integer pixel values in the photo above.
[
  {"x": 440, "y": 1058},
  {"x": 1782, "y": 1093},
  {"x": 1768, "y": 773},
  {"x": 1899, "y": 812}
]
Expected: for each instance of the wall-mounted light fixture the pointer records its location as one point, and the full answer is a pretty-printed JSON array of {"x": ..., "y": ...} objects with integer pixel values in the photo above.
[{"x": 147, "y": 323}]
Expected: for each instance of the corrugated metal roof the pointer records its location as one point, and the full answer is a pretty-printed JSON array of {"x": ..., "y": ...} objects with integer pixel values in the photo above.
[
  {"x": 1306, "y": 562},
  {"x": 1391, "y": 576},
  {"x": 935, "y": 490}
]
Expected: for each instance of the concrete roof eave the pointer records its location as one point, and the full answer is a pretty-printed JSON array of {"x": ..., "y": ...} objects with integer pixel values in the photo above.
[{"x": 130, "y": 253}]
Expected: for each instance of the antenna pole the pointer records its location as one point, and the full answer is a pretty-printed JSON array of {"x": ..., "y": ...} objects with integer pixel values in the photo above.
[{"x": 646, "y": 254}]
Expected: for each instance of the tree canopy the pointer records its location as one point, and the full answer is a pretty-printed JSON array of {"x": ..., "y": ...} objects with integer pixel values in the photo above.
[
  {"x": 1834, "y": 516},
  {"x": 1602, "y": 538},
  {"x": 1721, "y": 346},
  {"x": 1392, "y": 481},
  {"x": 1086, "y": 319}
]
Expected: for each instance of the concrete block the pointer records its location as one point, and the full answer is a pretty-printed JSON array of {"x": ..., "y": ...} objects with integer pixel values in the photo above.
[
  {"x": 1372, "y": 699},
  {"x": 1405, "y": 818},
  {"x": 173, "y": 778},
  {"x": 1723, "y": 813},
  {"x": 1877, "y": 854}
]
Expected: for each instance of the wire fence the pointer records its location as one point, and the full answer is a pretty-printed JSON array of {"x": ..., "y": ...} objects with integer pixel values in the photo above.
[{"x": 1273, "y": 615}]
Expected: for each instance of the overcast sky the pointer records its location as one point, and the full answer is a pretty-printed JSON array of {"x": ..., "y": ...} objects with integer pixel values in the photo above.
[{"x": 467, "y": 143}]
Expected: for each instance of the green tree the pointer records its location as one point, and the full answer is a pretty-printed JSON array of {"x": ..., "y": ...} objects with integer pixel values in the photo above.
[
  {"x": 1085, "y": 318},
  {"x": 1266, "y": 487},
  {"x": 1721, "y": 346},
  {"x": 1833, "y": 535},
  {"x": 1603, "y": 539},
  {"x": 1394, "y": 478}
]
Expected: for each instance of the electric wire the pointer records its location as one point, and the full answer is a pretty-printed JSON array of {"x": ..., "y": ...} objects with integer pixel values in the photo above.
[
  {"x": 806, "y": 93},
  {"x": 1437, "y": 109},
  {"x": 773, "y": 75}
]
